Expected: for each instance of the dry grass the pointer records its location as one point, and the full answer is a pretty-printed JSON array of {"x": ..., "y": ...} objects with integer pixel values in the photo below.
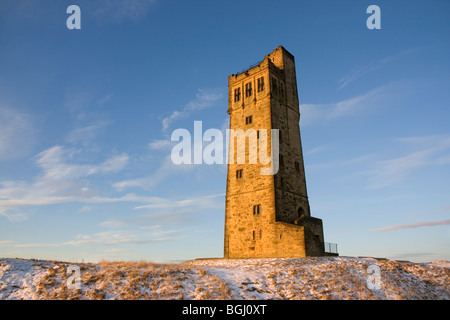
[{"x": 309, "y": 278}]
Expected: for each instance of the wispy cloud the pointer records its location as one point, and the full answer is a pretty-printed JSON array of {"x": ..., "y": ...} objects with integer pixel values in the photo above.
[
  {"x": 389, "y": 171},
  {"x": 315, "y": 150},
  {"x": 88, "y": 124},
  {"x": 103, "y": 100},
  {"x": 411, "y": 154},
  {"x": 17, "y": 132},
  {"x": 86, "y": 133},
  {"x": 203, "y": 202},
  {"x": 112, "y": 237},
  {"x": 147, "y": 182},
  {"x": 106, "y": 238},
  {"x": 167, "y": 212},
  {"x": 119, "y": 10},
  {"x": 414, "y": 225},
  {"x": 162, "y": 144},
  {"x": 53, "y": 162},
  {"x": 371, "y": 66},
  {"x": 440, "y": 210},
  {"x": 203, "y": 99},
  {"x": 59, "y": 181},
  {"x": 368, "y": 101},
  {"x": 62, "y": 181},
  {"x": 76, "y": 99}
]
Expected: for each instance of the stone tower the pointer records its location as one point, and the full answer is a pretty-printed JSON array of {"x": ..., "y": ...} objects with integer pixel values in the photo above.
[{"x": 268, "y": 215}]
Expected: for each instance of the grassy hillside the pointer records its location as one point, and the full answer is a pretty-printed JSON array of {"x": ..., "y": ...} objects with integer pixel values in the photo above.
[{"x": 308, "y": 278}]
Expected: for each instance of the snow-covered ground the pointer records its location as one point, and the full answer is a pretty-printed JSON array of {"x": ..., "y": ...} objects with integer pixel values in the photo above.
[{"x": 307, "y": 278}]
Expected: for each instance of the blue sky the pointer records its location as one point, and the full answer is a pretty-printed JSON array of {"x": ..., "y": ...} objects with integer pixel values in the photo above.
[{"x": 86, "y": 118}]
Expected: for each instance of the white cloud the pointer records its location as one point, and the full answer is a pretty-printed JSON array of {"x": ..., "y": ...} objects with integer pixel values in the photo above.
[
  {"x": 160, "y": 144},
  {"x": 65, "y": 182},
  {"x": 114, "y": 164},
  {"x": 58, "y": 182},
  {"x": 14, "y": 215},
  {"x": 176, "y": 115},
  {"x": 53, "y": 162}
]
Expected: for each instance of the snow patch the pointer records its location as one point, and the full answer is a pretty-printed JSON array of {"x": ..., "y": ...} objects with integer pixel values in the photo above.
[{"x": 275, "y": 278}]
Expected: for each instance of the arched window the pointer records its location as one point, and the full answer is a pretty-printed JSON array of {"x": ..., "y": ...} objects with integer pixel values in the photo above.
[{"x": 301, "y": 213}]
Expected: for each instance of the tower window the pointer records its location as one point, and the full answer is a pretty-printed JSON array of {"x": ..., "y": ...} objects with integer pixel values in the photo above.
[
  {"x": 257, "y": 134},
  {"x": 248, "y": 89},
  {"x": 257, "y": 209},
  {"x": 239, "y": 173},
  {"x": 237, "y": 94},
  {"x": 274, "y": 85},
  {"x": 297, "y": 166},
  {"x": 255, "y": 232},
  {"x": 260, "y": 84},
  {"x": 248, "y": 120}
]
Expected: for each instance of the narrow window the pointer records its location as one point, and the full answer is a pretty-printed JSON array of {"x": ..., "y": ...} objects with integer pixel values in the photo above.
[
  {"x": 257, "y": 209},
  {"x": 260, "y": 84},
  {"x": 248, "y": 120},
  {"x": 297, "y": 166},
  {"x": 237, "y": 94},
  {"x": 274, "y": 85},
  {"x": 280, "y": 137},
  {"x": 248, "y": 89},
  {"x": 257, "y": 134},
  {"x": 253, "y": 235},
  {"x": 239, "y": 173}
]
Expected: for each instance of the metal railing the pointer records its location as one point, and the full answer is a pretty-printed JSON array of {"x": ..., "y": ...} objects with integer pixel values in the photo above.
[
  {"x": 330, "y": 247},
  {"x": 248, "y": 68}
]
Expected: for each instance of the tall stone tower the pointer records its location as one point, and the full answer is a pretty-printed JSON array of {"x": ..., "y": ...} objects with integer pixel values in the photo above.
[{"x": 268, "y": 215}]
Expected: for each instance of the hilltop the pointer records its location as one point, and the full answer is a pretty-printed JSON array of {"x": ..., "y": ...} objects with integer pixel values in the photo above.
[{"x": 306, "y": 278}]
